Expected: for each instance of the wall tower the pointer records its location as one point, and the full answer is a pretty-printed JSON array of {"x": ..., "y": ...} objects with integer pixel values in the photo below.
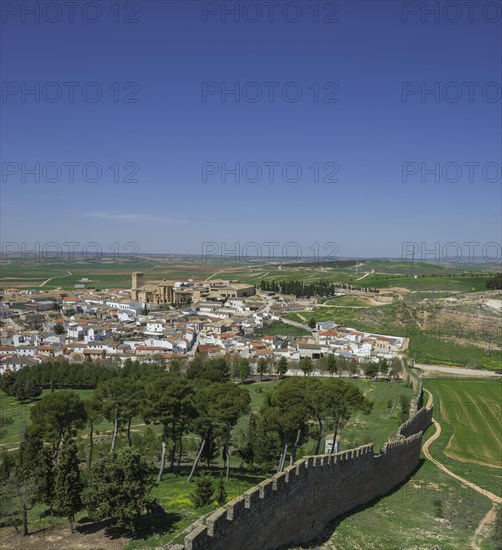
[{"x": 137, "y": 280}]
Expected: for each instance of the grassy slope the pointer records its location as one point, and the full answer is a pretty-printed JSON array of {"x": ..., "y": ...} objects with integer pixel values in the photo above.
[
  {"x": 279, "y": 328},
  {"x": 384, "y": 418}
]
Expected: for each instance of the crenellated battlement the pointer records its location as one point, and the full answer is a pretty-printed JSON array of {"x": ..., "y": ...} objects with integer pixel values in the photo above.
[
  {"x": 419, "y": 422},
  {"x": 321, "y": 487}
]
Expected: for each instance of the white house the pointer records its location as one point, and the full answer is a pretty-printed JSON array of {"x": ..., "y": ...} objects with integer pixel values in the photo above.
[
  {"x": 75, "y": 332},
  {"x": 26, "y": 339},
  {"x": 15, "y": 363},
  {"x": 126, "y": 316},
  {"x": 328, "y": 444},
  {"x": 118, "y": 305},
  {"x": 154, "y": 328},
  {"x": 97, "y": 333},
  {"x": 25, "y": 351}
]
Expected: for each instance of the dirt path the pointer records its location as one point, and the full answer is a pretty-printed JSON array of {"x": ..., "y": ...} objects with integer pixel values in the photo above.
[
  {"x": 213, "y": 275},
  {"x": 456, "y": 370},
  {"x": 57, "y": 277},
  {"x": 487, "y": 519},
  {"x": 490, "y": 516}
]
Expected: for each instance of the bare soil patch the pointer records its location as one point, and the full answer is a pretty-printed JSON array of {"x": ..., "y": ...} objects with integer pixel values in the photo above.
[{"x": 86, "y": 536}]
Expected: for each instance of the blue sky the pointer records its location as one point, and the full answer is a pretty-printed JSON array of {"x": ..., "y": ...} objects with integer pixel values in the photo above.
[{"x": 163, "y": 60}]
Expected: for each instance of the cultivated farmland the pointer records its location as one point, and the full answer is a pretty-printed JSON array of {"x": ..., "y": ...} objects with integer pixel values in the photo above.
[{"x": 472, "y": 410}]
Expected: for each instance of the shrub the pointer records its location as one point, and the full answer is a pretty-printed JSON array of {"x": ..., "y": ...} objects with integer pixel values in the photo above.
[
  {"x": 203, "y": 492},
  {"x": 438, "y": 508}
]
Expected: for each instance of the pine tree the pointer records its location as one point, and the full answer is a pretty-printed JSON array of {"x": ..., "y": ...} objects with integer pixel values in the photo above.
[
  {"x": 244, "y": 369},
  {"x": 203, "y": 493},
  {"x": 306, "y": 365},
  {"x": 36, "y": 460},
  {"x": 266, "y": 444},
  {"x": 262, "y": 367},
  {"x": 246, "y": 451},
  {"x": 19, "y": 486},
  {"x": 68, "y": 484},
  {"x": 211, "y": 448},
  {"x": 119, "y": 488},
  {"x": 282, "y": 367}
]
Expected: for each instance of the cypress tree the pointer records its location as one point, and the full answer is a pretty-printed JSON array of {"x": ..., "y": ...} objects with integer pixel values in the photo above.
[{"x": 68, "y": 484}]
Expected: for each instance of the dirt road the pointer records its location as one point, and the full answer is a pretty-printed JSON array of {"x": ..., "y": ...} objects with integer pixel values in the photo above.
[{"x": 455, "y": 370}]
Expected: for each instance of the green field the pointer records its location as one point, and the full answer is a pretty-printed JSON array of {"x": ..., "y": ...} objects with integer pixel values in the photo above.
[
  {"x": 432, "y": 350},
  {"x": 101, "y": 274},
  {"x": 107, "y": 272},
  {"x": 467, "y": 283},
  {"x": 358, "y": 301},
  {"x": 470, "y": 413},
  {"x": 471, "y": 393}
]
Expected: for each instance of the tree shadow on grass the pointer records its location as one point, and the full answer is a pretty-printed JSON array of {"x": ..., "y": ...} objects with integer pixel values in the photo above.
[
  {"x": 157, "y": 522},
  {"x": 86, "y": 526},
  {"x": 333, "y": 524}
]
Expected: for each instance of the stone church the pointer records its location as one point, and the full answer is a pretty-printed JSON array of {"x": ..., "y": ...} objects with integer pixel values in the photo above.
[{"x": 152, "y": 293}]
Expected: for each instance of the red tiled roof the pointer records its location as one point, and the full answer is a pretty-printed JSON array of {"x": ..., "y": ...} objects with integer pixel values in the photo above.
[
  {"x": 207, "y": 348},
  {"x": 332, "y": 332}
]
